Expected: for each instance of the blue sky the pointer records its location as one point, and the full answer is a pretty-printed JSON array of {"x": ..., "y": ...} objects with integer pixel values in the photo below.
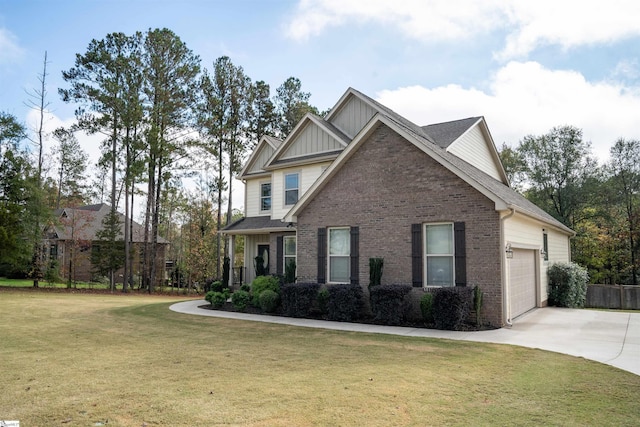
[{"x": 526, "y": 66}]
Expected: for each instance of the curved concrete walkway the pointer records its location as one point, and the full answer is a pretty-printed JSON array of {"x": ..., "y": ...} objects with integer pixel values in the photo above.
[{"x": 608, "y": 337}]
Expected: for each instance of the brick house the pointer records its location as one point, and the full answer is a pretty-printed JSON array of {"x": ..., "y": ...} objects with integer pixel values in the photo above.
[
  {"x": 72, "y": 238},
  {"x": 433, "y": 201}
]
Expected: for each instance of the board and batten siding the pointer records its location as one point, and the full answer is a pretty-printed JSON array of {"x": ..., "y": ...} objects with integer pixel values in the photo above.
[
  {"x": 311, "y": 140},
  {"x": 261, "y": 159},
  {"x": 353, "y": 116},
  {"x": 472, "y": 148},
  {"x": 308, "y": 175}
]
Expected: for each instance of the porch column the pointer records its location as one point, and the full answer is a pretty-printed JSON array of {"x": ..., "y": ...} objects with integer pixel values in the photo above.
[{"x": 232, "y": 246}]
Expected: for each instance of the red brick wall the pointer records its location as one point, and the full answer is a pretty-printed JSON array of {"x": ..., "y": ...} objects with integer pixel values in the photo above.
[{"x": 386, "y": 186}]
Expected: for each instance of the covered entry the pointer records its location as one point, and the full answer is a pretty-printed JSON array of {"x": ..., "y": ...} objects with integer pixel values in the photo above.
[{"x": 522, "y": 281}]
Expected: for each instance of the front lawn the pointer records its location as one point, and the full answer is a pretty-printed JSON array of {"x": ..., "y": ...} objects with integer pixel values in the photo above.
[{"x": 126, "y": 360}]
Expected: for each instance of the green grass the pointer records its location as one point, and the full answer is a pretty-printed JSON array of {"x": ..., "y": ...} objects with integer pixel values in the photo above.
[
  {"x": 78, "y": 360},
  {"x": 97, "y": 286}
]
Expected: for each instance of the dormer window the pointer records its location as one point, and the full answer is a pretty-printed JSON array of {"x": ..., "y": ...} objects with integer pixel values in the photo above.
[
  {"x": 291, "y": 187},
  {"x": 265, "y": 196}
]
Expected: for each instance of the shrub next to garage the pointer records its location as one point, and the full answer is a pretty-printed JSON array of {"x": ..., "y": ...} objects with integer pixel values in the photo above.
[
  {"x": 345, "y": 302},
  {"x": 388, "y": 303},
  {"x": 568, "y": 285},
  {"x": 298, "y": 298}
]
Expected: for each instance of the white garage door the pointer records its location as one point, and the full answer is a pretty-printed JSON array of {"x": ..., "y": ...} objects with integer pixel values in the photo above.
[{"x": 523, "y": 281}]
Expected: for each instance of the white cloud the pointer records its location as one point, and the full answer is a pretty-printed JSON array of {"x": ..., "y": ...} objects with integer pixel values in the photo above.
[
  {"x": 528, "y": 24},
  {"x": 419, "y": 19},
  {"x": 528, "y": 99},
  {"x": 10, "y": 50},
  {"x": 569, "y": 24}
]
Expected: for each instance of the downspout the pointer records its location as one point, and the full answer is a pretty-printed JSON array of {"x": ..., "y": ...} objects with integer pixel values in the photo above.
[{"x": 506, "y": 307}]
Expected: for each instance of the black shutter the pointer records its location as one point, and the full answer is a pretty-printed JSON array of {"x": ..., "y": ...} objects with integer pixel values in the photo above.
[
  {"x": 322, "y": 255},
  {"x": 460, "y": 255},
  {"x": 416, "y": 255},
  {"x": 279, "y": 255},
  {"x": 355, "y": 255}
]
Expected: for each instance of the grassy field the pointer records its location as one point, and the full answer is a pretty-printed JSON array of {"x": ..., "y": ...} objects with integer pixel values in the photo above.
[
  {"x": 126, "y": 360},
  {"x": 28, "y": 283}
]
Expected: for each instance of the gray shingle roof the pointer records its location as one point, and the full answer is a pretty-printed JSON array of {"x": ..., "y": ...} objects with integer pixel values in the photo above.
[
  {"x": 255, "y": 224},
  {"x": 445, "y": 133}
]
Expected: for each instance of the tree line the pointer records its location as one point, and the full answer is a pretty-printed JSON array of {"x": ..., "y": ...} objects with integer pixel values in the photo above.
[
  {"x": 162, "y": 117},
  {"x": 600, "y": 202}
]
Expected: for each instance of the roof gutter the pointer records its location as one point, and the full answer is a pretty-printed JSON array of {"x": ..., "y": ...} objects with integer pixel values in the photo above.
[{"x": 506, "y": 306}]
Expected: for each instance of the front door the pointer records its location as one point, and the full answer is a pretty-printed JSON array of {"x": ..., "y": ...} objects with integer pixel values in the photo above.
[{"x": 263, "y": 251}]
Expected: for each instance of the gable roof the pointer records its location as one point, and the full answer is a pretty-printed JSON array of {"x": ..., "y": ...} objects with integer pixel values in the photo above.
[
  {"x": 331, "y": 150},
  {"x": 500, "y": 193},
  {"x": 266, "y": 147},
  {"x": 83, "y": 223}
]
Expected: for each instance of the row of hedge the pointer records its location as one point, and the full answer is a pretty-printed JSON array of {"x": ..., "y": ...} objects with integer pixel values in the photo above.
[{"x": 443, "y": 308}]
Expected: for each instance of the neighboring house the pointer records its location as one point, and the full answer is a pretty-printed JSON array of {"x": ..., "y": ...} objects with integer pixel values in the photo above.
[
  {"x": 433, "y": 201},
  {"x": 73, "y": 237}
]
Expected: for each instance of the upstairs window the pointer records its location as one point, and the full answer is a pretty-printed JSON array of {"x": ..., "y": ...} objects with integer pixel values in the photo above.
[
  {"x": 291, "y": 187},
  {"x": 265, "y": 196}
]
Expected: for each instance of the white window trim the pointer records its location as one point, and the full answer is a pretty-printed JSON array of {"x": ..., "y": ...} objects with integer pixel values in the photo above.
[
  {"x": 425, "y": 255},
  {"x": 260, "y": 197},
  {"x": 342, "y": 256},
  {"x": 285, "y": 189}
]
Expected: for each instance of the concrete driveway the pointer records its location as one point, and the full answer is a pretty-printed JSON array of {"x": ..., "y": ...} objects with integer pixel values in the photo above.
[{"x": 608, "y": 337}]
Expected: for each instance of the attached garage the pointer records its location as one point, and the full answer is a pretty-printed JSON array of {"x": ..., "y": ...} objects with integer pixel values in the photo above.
[{"x": 522, "y": 281}]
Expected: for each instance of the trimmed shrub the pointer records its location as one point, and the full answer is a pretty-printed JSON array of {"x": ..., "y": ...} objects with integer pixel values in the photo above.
[
  {"x": 323, "y": 300},
  {"x": 451, "y": 307},
  {"x": 261, "y": 284},
  {"x": 375, "y": 271},
  {"x": 290, "y": 271},
  {"x": 298, "y": 298},
  {"x": 226, "y": 270},
  {"x": 245, "y": 287},
  {"x": 213, "y": 285},
  {"x": 217, "y": 299},
  {"x": 268, "y": 301},
  {"x": 240, "y": 299},
  {"x": 568, "y": 285},
  {"x": 426, "y": 307},
  {"x": 387, "y": 303},
  {"x": 477, "y": 304},
  {"x": 345, "y": 302}
]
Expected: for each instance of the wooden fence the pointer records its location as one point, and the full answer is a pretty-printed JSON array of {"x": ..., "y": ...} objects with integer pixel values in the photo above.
[{"x": 613, "y": 296}]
